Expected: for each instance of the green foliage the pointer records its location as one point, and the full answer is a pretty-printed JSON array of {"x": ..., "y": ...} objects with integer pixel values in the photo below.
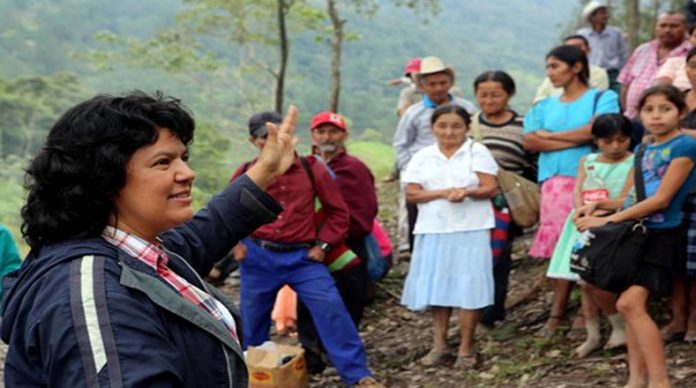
[
  {"x": 648, "y": 15},
  {"x": 371, "y": 135},
  {"x": 11, "y": 192},
  {"x": 208, "y": 160},
  {"x": 218, "y": 56},
  {"x": 379, "y": 157},
  {"x": 28, "y": 107},
  {"x": 38, "y": 35},
  {"x": 370, "y": 7},
  {"x": 169, "y": 49}
]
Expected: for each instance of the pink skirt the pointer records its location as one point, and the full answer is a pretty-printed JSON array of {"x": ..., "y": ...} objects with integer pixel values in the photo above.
[{"x": 556, "y": 204}]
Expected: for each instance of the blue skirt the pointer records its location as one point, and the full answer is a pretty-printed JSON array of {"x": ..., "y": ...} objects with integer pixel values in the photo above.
[{"x": 450, "y": 270}]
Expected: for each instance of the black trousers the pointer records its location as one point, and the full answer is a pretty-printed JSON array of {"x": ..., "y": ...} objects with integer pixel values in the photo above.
[
  {"x": 501, "y": 280},
  {"x": 352, "y": 286},
  {"x": 412, "y": 210}
]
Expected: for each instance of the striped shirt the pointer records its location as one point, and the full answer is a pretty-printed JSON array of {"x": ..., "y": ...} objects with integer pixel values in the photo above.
[
  {"x": 505, "y": 143},
  {"x": 157, "y": 259}
]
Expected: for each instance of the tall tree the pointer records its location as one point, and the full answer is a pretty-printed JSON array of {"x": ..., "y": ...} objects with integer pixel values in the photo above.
[
  {"x": 258, "y": 31},
  {"x": 366, "y": 8},
  {"x": 336, "y": 44},
  {"x": 249, "y": 24},
  {"x": 283, "y": 9},
  {"x": 632, "y": 11}
]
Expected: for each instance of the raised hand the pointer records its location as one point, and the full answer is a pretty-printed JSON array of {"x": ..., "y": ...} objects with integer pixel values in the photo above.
[{"x": 279, "y": 152}]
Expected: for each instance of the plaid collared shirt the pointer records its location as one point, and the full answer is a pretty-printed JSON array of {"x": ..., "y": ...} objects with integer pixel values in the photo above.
[
  {"x": 641, "y": 68},
  {"x": 157, "y": 259}
]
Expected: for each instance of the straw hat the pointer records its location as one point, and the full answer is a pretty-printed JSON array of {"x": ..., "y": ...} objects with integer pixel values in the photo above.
[
  {"x": 591, "y": 7},
  {"x": 432, "y": 65}
]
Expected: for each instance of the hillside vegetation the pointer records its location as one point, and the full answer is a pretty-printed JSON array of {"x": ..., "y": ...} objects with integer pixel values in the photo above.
[{"x": 51, "y": 60}]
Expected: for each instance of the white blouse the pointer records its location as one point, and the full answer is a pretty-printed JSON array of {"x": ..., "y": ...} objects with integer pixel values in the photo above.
[{"x": 431, "y": 169}]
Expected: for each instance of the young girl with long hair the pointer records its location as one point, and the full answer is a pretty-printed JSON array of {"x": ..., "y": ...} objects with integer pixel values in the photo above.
[
  {"x": 668, "y": 174},
  {"x": 603, "y": 181}
]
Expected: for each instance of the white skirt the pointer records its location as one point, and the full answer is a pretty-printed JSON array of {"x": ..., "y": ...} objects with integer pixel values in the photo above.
[{"x": 450, "y": 270}]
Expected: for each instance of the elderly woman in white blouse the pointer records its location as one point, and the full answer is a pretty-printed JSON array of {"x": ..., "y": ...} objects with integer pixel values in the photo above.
[{"x": 452, "y": 267}]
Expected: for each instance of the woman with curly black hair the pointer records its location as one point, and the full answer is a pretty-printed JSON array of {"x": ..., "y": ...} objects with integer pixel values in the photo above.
[{"x": 111, "y": 292}]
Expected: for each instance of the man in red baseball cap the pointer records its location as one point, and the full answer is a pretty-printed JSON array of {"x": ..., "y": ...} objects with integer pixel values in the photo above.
[
  {"x": 354, "y": 181},
  {"x": 356, "y": 185},
  {"x": 328, "y": 118}
]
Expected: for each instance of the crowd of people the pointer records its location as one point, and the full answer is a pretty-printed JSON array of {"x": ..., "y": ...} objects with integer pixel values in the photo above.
[
  {"x": 596, "y": 106},
  {"x": 112, "y": 292}
]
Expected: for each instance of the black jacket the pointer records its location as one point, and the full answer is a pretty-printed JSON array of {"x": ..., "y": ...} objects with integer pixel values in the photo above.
[{"x": 83, "y": 313}]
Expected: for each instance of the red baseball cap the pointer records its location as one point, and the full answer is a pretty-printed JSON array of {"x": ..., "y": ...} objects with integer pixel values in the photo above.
[
  {"x": 332, "y": 118},
  {"x": 412, "y": 66}
]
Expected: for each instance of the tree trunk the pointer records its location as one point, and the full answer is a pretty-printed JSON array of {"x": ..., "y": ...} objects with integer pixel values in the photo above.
[
  {"x": 336, "y": 43},
  {"x": 655, "y": 10},
  {"x": 283, "y": 8},
  {"x": 632, "y": 22}
]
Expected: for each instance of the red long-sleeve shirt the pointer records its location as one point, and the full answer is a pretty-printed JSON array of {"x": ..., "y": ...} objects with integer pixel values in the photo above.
[
  {"x": 293, "y": 190},
  {"x": 357, "y": 186}
]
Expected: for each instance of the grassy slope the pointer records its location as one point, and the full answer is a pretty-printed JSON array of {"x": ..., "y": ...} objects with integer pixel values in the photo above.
[{"x": 379, "y": 157}]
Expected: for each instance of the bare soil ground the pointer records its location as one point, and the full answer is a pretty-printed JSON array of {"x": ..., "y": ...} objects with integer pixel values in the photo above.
[{"x": 510, "y": 354}]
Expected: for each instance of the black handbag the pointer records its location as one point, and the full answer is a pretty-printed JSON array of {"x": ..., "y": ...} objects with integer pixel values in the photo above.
[{"x": 608, "y": 256}]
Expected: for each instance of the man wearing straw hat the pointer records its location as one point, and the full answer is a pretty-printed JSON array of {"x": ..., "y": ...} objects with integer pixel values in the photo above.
[
  {"x": 413, "y": 132},
  {"x": 609, "y": 50}
]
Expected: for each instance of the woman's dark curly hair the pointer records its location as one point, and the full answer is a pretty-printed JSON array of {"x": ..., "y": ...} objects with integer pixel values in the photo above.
[{"x": 73, "y": 181}]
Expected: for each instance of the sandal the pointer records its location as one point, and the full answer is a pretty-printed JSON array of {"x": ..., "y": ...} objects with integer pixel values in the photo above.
[
  {"x": 577, "y": 329},
  {"x": 545, "y": 331},
  {"x": 576, "y": 334},
  {"x": 465, "y": 362},
  {"x": 690, "y": 338},
  {"x": 433, "y": 358},
  {"x": 671, "y": 336},
  {"x": 368, "y": 382}
]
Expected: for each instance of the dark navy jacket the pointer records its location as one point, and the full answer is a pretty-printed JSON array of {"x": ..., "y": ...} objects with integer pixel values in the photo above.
[{"x": 82, "y": 313}]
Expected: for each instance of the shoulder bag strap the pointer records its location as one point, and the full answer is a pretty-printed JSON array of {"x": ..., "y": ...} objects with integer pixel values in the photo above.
[
  {"x": 476, "y": 127},
  {"x": 308, "y": 170},
  {"x": 638, "y": 173},
  {"x": 597, "y": 96}
]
